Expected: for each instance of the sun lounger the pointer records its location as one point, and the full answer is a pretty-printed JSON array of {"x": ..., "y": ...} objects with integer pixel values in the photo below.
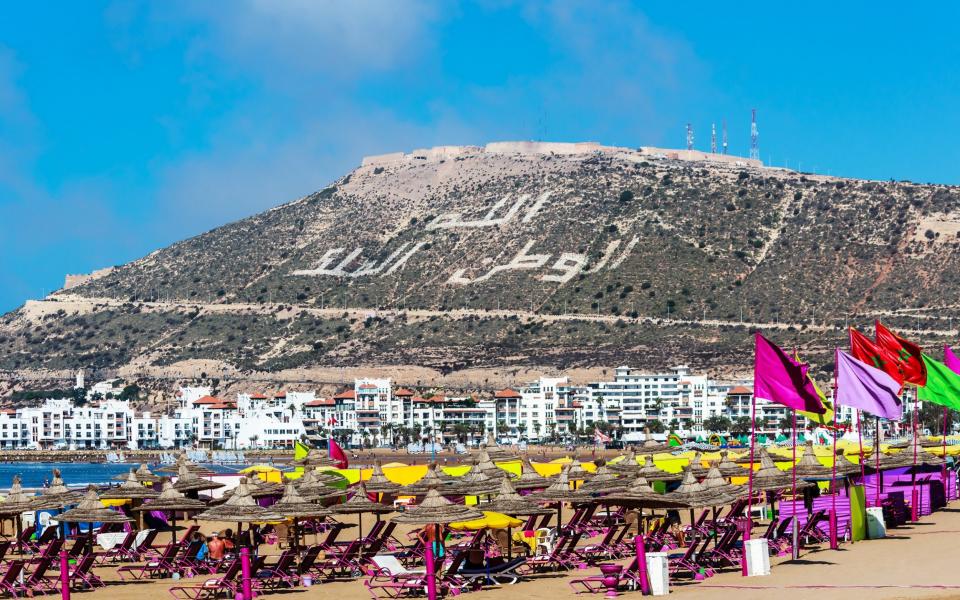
[
  {"x": 161, "y": 566},
  {"x": 225, "y": 584},
  {"x": 505, "y": 572},
  {"x": 629, "y": 579},
  {"x": 82, "y": 576}
]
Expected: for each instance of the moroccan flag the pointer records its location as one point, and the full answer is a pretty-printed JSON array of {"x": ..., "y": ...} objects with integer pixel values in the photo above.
[
  {"x": 909, "y": 355},
  {"x": 781, "y": 379},
  {"x": 950, "y": 359},
  {"x": 336, "y": 453},
  {"x": 865, "y": 350},
  {"x": 870, "y": 389},
  {"x": 942, "y": 386}
]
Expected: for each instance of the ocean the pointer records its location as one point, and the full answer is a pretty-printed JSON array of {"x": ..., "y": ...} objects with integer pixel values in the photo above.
[{"x": 36, "y": 474}]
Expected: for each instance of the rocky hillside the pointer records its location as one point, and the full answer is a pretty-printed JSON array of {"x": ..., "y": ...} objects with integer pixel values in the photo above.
[{"x": 480, "y": 262}]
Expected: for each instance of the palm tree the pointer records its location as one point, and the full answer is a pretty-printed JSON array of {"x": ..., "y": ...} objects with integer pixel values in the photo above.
[
  {"x": 502, "y": 428},
  {"x": 253, "y": 440},
  {"x": 522, "y": 429},
  {"x": 536, "y": 429}
]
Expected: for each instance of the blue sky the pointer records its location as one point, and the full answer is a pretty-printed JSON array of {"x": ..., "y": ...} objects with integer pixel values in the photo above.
[{"x": 125, "y": 126}]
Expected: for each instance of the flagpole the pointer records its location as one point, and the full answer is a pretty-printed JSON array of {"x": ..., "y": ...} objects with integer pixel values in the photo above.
[
  {"x": 863, "y": 472},
  {"x": 795, "y": 552},
  {"x": 833, "y": 477},
  {"x": 946, "y": 491},
  {"x": 876, "y": 456},
  {"x": 749, "y": 522},
  {"x": 914, "y": 500}
]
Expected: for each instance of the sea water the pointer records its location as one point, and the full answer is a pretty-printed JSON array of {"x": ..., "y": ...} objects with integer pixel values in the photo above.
[{"x": 38, "y": 474}]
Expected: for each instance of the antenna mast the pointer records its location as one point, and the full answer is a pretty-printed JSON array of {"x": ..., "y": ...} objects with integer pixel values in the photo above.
[
  {"x": 713, "y": 138},
  {"x": 754, "y": 135},
  {"x": 689, "y": 136},
  {"x": 724, "y": 136}
]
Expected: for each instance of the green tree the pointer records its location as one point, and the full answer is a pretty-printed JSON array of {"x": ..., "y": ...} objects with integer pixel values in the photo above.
[
  {"x": 656, "y": 426},
  {"x": 740, "y": 426},
  {"x": 717, "y": 424}
]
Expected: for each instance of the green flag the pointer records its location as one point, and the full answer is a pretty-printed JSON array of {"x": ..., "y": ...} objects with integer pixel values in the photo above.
[{"x": 943, "y": 385}]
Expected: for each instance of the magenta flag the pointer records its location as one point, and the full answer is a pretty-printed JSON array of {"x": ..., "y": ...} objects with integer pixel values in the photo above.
[
  {"x": 950, "y": 359},
  {"x": 868, "y": 388},
  {"x": 779, "y": 378}
]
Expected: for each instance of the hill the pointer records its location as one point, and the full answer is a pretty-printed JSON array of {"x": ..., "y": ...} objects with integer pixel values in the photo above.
[{"x": 476, "y": 265}]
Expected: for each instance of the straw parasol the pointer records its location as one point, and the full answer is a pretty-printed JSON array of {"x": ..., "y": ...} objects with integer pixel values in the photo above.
[
  {"x": 143, "y": 475},
  {"x": 485, "y": 464},
  {"x": 317, "y": 458},
  {"x": 716, "y": 482},
  {"x": 294, "y": 506},
  {"x": 576, "y": 472},
  {"x": 16, "y": 503},
  {"x": 808, "y": 467},
  {"x": 696, "y": 465},
  {"x": 627, "y": 466},
  {"x": 928, "y": 459},
  {"x": 378, "y": 482},
  {"x": 758, "y": 453},
  {"x": 312, "y": 485},
  {"x": 358, "y": 504},
  {"x": 846, "y": 466},
  {"x": 651, "y": 472},
  {"x": 651, "y": 446},
  {"x": 58, "y": 494},
  {"x": 693, "y": 494},
  {"x": 437, "y": 509},
  {"x": 509, "y": 502},
  {"x": 529, "y": 478},
  {"x": 559, "y": 490},
  {"x": 429, "y": 481},
  {"x": 604, "y": 481},
  {"x": 91, "y": 510},
  {"x": 183, "y": 461},
  {"x": 188, "y": 481},
  {"x": 769, "y": 478},
  {"x": 640, "y": 493},
  {"x": 131, "y": 489},
  {"x": 241, "y": 508},
  {"x": 728, "y": 468},
  {"x": 476, "y": 483},
  {"x": 496, "y": 451},
  {"x": 172, "y": 501}
]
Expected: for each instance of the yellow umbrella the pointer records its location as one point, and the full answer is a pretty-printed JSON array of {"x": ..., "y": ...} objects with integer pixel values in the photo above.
[
  {"x": 261, "y": 468},
  {"x": 491, "y": 520}
]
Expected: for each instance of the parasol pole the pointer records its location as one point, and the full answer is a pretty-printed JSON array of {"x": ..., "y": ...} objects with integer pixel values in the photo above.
[
  {"x": 247, "y": 584},
  {"x": 642, "y": 563},
  {"x": 833, "y": 477},
  {"x": 795, "y": 552},
  {"x": 431, "y": 567},
  {"x": 863, "y": 472},
  {"x": 64, "y": 575},
  {"x": 749, "y": 521},
  {"x": 19, "y": 519}
]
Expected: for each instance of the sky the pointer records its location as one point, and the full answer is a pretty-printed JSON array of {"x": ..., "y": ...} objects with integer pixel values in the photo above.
[{"x": 126, "y": 126}]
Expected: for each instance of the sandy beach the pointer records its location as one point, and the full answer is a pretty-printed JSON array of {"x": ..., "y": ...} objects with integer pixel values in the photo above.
[{"x": 915, "y": 561}]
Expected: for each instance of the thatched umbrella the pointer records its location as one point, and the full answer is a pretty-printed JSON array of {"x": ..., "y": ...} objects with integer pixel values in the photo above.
[
  {"x": 651, "y": 446},
  {"x": 15, "y": 504},
  {"x": 641, "y": 494},
  {"x": 768, "y": 478},
  {"x": 486, "y": 464},
  {"x": 529, "y": 478},
  {"x": 651, "y": 472},
  {"x": 693, "y": 494},
  {"x": 294, "y": 506},
  {"x": 240, "y": 508},
  {"x": 728, "y": 468},
  {"x": 317, "y": 458},
  {"x": 576, "y": 472},
  {"x": 58, "y": 494},
  {"x": 358, "y": 504},
  {"x": 628, "y": 466},
  {"x": 378, "y": 482},
  {"x": 928, "y": 459},
  {"x": 476, "y": 483},
  {"x": 91, "y": 510},
  {"x": 604, "y": 481},
  {"x": 183, "y": 461},
  {"x": 426, "y": 483},
  {"x": 132, "y": 490},
  {"x": 846, "y": 466},
  {"x": 715, "y": 481},
  {"x": 696, "y": 465},
  {"x": 509, "y": 502},
  {"x": 188, "y": 481},
  {"x": 495, "y": 451},
  {"x": 172, "y": 501},
  {"x": 758, "y": 453},
  {"x": 312, "y": 485},
  {"x": 435, "y": 509},
  {"x": 143, "y": 475},
  {"x": 559, "y": 491},
  {"x": 810, "y": 468}
]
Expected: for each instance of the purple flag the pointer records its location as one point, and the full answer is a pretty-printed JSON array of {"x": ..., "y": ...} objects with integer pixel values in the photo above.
[
  {"x": 779, "y": 378},
  {"x": 861, "y": 386},
  {"x": 950, "y": 359}
]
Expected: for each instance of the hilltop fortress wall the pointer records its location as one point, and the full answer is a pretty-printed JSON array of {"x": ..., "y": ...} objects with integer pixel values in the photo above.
[{"x": 438, "y": 153}]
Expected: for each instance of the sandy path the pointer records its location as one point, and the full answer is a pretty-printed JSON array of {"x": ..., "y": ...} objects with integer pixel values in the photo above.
[{"x": 915, "y": 561}]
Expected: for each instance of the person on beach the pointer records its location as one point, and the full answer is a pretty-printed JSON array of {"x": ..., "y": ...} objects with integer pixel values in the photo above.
[
  {"x": 204, "y": 551},
  {"x": 216, "y": 547}
]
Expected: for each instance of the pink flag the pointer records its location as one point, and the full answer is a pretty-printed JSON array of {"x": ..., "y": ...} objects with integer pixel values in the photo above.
[
  {"x": 337, "y": 454},
  {"x": 781, "y": 379},
  {"x": 950, "y": 359}
]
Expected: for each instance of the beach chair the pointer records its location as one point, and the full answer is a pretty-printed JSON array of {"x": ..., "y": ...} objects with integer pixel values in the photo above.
[
  {"x": 687, "y": 562},
  {"x": 724, "y": 552},
  {"x": 185, "y": 538},
  {"x": 388, "y": 578},
  {"x": 37, "y": 581},
  {"x": 606, "y": 547},
  {"x": 120, "y": 551},
  {"x": 10, "y": 582},
  {"x": 46, "y": 536},
  {"x": 563, "y": 556},
  {"x": 495, "y": 573},
  {"x": 280, "y": 574},
  {"x": 225, "y": 584},
  {"x": 330, "y": 543},
  {"x": 160, "y": 566},
  {"x": 308, "y": 560},
  {"x": 25, "y": 535},
  {"x": 50, "y": 551},
  {"x": 145, "y": 547},
  {"x": 340, "y": 564},
  {"x": 82, "y": 575}
]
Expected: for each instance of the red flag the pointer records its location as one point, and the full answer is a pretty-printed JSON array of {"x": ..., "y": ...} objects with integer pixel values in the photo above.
[
  {"x": 864, "y": 349},
  {"x": 909, "y": 356},
  {"x": 336, "y": 453}
]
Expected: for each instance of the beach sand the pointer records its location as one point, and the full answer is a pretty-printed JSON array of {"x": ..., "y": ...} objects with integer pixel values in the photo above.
[{"x": 915, "y": 561}]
